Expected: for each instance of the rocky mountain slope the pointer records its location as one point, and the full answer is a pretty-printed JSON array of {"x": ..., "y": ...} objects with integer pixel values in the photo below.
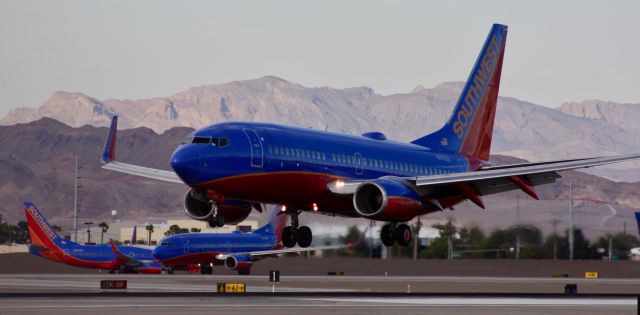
[
  {"x": 37, "y": 164},
  {"x": 523, "y": 129}
]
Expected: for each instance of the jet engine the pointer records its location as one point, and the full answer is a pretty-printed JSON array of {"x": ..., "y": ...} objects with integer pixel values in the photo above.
[
  {"x": 240, "y": 262},
  {"x": 387, "y": 199},
  {"x": 197, "y": 207}
]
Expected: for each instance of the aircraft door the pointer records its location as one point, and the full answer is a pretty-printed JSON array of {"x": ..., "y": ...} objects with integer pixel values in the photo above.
[
  {"x": 187, "y": 245},
  {"x": 257, "y": 153},
  {"x": 358, "y": 158}
]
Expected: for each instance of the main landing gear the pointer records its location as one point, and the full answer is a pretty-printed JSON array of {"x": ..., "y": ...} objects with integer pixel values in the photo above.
[
  {"x": 391, "y": 233},
  {"x": 206, "y": 268},
  {"x": 216, "y": 219},
  {"x": 296, "y": 234}
]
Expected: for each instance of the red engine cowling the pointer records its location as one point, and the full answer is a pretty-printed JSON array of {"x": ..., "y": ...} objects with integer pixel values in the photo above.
[
  {"x": 387, "y": 200},
  {"x": 197, "y": 207}
]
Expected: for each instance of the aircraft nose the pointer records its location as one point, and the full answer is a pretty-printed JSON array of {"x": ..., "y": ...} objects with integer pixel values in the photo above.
[
  {"x": 158, "y": 253},
  {"x": 185, "y": 162}
]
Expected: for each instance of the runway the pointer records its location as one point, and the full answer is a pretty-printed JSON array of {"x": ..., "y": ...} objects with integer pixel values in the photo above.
[
  {"x": 70, "y": 283},
  {"x": 317, "y": 305},
  {"x": 194, "y": 294}
]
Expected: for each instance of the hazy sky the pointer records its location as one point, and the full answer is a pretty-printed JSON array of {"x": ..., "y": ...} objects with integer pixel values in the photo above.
[{"x": 556, "y": 50}]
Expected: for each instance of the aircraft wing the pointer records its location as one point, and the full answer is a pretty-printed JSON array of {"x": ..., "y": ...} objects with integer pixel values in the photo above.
[
  {"x": 271, "y": 252},
  {"x": 495, "y": 179},
  {"x": 108, "y": 158},
  {"x": 124, "y": 259},
  {"x": 291, "y": 250}
]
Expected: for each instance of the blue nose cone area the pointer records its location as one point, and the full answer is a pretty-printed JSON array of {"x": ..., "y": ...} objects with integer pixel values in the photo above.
[
  {"x": 185, "y": 161},
  {"x": 159, "y": 253}
]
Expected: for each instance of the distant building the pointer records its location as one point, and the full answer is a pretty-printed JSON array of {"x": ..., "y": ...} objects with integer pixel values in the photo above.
[{"x": 13, "y": 248}]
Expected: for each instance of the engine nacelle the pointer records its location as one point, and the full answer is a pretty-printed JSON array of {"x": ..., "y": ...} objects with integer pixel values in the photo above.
[
  {"x": 197, "y": 207},
  {"x": 387, "y": 200},
  {"x": 238, "y": 262}
]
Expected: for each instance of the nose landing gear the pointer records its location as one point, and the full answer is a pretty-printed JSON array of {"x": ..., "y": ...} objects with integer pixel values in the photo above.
[
  {"x": 296, "y": 234},
  {"x": 392, "y": 233}
]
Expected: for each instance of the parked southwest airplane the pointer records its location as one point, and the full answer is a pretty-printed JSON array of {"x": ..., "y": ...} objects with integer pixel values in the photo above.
[
  {"x": 236, "y": 250},
  {"x": 46, "y": 243},
  {"x": 231, "y": 166}
]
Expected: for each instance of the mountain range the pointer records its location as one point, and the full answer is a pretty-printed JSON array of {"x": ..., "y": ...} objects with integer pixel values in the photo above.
[{"x": 523, "y": 129}]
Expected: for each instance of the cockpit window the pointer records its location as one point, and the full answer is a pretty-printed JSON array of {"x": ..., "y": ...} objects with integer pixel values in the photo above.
[
  {"x": 198, "y": 140},
  {"x": 214, "y": 141},
  {"x": 164, "y": 244},
  {"x": 219, "y": 142}
]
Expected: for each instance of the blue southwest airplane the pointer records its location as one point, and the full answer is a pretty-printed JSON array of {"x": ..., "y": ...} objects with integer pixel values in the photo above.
[
  {"x": 236, "y": 250},
  {"x": 46, "y": 243},
  {"x": 233, "y": 167}
]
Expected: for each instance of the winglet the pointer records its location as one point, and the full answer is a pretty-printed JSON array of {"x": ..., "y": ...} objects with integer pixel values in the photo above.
[
  {"x": 109, "y": 149},
  {"x": 114, "y": 247}
]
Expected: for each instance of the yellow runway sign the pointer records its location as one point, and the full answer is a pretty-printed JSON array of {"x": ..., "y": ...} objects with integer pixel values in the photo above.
[{"x": 224, "y": 287}]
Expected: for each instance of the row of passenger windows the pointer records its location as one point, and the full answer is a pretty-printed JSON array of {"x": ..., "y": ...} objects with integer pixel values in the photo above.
[
  {"x": 353, "y": 160},
  {"x": 302, "y": 153},
  {"x": 210, "y": 245}
]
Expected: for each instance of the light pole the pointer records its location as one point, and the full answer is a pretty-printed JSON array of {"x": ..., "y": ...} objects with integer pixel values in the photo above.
[
  {"x": 149, "y": 228},
  {"x": 88, "y": 224},
  {"x": 571, "y": 219},
  {"x": 517, "y": 226},
  {"x": 75, "y": 202}
]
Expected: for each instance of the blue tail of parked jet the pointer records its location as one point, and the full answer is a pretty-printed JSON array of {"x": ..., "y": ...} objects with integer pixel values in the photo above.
[
  {"x": 638, "y": 221},
  {"x": 470, "y": 127}
]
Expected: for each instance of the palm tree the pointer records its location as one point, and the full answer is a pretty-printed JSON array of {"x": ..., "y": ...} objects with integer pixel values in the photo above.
[
  {"x": 104, "y": 228},
  {"x": 149, "y": 228}
]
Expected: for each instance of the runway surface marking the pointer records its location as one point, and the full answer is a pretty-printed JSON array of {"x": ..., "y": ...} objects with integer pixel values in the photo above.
[
  {"x": 487, "y": 301},
  {"x": 347, "y": 302}
]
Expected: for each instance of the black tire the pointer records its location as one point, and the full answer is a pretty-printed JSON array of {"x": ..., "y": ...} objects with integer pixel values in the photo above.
[
  {"x": 203, "y": 269},
  {"x": 244, "y": 272},
  {"x": 212, "y": 221},
  {"x": 403, "y": 235},
  {"x": 288, "y": 237},
  {"x": 220, "y": 220},
  {"x": 304, "y": 236},
  {"x": 386, "y": 235}
]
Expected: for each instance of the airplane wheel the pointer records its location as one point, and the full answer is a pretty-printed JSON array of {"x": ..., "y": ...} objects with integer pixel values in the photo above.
[
  {"x": 245, "y": 271},
  {"x": 216, "y": 221},
  {"x": 403, "y": 234},
  {"x": 304, "y": 236},
  {"x": 386, "y": 235},
  {"x": 220, "y": 220},
  {"x": 288, "y": 237}
]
